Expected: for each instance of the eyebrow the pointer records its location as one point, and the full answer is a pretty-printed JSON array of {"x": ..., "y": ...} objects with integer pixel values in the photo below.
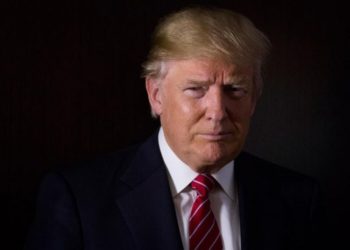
[
  {"x": 199, "y": 82},
  {"x": 239, "y": 80}
]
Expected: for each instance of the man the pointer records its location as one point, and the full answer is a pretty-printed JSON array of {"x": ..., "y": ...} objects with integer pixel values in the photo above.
[{"x": 189, "y": 186}]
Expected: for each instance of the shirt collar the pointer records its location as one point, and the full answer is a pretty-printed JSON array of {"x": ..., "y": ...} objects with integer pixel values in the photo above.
[{"x": 181, "y": 175}]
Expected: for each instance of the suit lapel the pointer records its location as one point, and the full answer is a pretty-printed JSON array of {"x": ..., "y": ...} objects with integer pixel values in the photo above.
[
  {"x": 246, "y": 195},
  {"x": 263, "y": 216},
  {"x": 146, "y": 202}
]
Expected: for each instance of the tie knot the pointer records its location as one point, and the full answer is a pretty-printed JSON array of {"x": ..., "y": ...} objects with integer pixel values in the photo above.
[{"x": 203, "y": 183}]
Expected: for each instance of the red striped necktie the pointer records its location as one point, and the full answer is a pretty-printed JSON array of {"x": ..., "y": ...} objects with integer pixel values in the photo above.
[{"x": 204, "y": 232}]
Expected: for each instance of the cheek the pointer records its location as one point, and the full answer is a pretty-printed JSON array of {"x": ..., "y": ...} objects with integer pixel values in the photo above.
[
  {"x": 178, "y": 113},
  {"x": 191, "y": 111},
  {"x": 183, "y": 109},
  {"x": 243, "y": 109},
  {"x": 240, "y": 113}
]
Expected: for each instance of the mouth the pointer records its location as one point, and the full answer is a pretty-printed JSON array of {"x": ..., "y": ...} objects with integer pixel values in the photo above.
[{"x": 216, "y": 136}]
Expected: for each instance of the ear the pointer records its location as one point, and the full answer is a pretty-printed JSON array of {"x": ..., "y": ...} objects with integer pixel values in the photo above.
[
  {"x": 154, "y": 95},
  {"x": 252, "y": 108}
]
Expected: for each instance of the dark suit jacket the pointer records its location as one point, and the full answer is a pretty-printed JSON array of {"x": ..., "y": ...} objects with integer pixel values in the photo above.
[{"x": 123, "y": 201}]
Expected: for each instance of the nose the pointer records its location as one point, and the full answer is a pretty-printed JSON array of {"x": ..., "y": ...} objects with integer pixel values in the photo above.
[{"x": 216, "y": 109}]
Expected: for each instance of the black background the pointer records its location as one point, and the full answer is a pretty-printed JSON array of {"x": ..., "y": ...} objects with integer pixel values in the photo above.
[{"x": 70, "y": 88}]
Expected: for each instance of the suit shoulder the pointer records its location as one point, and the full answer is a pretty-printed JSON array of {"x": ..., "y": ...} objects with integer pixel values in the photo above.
[
  {"x": 261, "y": 168},
  {"x": 96, "y": 172}
]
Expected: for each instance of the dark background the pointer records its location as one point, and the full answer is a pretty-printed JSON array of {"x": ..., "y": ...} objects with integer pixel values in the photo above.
[{"x": 70, "y": 88}]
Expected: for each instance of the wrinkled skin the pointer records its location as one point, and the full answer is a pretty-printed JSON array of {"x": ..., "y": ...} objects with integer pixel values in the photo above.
[{"x": 205, "y": 107}]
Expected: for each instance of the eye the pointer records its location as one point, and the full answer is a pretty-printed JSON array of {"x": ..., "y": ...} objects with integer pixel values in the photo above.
[
  {"x": 236, "y": 91},
  {"x": 195, "y": 91}
]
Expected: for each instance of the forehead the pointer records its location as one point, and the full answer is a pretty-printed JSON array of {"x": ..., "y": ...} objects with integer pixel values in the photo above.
[{"x": 207, "y": 69}]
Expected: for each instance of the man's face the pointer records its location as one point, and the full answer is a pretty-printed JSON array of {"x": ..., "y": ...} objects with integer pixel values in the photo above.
[{"x": 205, "y": 108}]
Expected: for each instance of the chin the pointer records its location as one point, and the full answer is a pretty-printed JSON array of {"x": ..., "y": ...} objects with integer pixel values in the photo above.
[
  {"x": 214, "y": 163},
  {"x": 213, "y": 156},
  {"x": 216, "y": 152},
  {"x": 210, "y": 166}
]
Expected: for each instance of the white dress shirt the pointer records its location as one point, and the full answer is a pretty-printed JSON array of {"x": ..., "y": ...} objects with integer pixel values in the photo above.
[{"x": 224, "y": 201}]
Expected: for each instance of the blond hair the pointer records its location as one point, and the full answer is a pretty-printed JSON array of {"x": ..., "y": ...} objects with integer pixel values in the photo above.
[{"x": 213, "y": 33}]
